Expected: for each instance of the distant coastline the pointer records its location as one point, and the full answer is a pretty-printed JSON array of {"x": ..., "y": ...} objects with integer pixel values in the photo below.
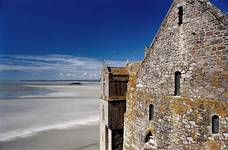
[
  {"x": 60, "y": 80},
  {"x": 37, "y": 88}
]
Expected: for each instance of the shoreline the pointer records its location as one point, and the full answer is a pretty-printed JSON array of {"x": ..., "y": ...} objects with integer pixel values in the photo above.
[
  {"x": 49, "y": 91},
  {"x": 62, "y": 91}
]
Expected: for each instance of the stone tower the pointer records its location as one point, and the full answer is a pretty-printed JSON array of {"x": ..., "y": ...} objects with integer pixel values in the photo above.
[{"x": 112, "y": 107}]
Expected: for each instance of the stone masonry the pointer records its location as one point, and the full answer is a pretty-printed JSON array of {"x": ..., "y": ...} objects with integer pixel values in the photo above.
[
  {"x": 176, "y": 98},
  {"x": 193, "y": 43}
]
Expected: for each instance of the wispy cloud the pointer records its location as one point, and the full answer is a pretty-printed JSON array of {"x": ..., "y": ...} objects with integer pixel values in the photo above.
[{"x": 59, "y": 66}]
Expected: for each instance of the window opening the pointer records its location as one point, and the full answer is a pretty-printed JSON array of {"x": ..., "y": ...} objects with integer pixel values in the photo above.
[
  {"x": 177, "y": 83},
  {"x": 180, "y": 15},
  {"x": 151, "y": 112},
  {"x": 147, "y": 138},
  {"x": 215, "y": 124}
]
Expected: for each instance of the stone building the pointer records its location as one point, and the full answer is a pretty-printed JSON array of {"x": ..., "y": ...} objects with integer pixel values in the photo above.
[
  {"x": 177, "y": 99},
  {"x": 114, "y": 82},
  {"x": 113, "y": 106}
]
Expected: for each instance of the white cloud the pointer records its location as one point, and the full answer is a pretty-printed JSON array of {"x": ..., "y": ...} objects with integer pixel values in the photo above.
[
  {"x": 62, "y": 65},
  {"x": 61, "y": 74}
]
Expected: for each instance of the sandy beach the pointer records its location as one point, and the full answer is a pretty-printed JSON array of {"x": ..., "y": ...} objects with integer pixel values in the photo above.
[{"x": 65, "y": 119}]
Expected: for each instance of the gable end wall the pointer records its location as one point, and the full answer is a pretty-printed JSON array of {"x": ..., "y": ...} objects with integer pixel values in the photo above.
[{"x": 198, "y": 49}]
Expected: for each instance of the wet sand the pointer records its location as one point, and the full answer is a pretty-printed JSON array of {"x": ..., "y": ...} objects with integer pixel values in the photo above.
[
  {"x": 66, "y": 119},
  {"x": 79, "y": 138}
]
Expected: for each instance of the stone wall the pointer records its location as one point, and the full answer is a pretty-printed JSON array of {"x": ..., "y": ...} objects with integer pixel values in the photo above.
[
  {"x": 179, "y": 123},
  {"x": 198, "y": 49},
  {"x": 103, "y": 122}
]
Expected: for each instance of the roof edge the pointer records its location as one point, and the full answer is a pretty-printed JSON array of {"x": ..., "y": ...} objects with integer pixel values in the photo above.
[
  {"x": 156, "y": 35},
  {"x": 220, "y": 15}
]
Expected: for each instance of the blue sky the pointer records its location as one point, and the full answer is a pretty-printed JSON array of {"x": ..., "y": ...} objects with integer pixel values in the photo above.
[{"x": 39, "y": 37}]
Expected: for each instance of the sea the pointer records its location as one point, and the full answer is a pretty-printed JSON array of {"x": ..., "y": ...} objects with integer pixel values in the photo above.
[
  {"x": 9, "y": 90},
  {"x": 21, "y": 89},
  {"x": 28, "y": 108}
]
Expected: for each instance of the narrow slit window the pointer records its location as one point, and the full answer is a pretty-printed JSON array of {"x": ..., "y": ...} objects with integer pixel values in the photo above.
[
  {"x": 147, "y": 138},
  {"x": 215, "y": 124},
  {"x": 151, "y": 112},
  {"x": 177, "y": 83},
  {"x": 103, "y": 113},
  {"x": 180, "y": 15}
]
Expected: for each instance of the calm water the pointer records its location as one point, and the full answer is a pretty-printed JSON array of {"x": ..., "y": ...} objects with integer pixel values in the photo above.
[{"x": 16, "y": 90}]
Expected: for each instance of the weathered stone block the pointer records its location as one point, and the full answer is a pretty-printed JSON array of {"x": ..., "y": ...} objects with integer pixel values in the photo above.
[{"x": 198, "y": 49}]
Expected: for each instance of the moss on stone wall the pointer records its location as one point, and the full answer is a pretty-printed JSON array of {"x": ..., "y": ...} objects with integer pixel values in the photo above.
[
  {"x": 197, "y": 49},
  {"x": 189, "y": 118},
  {"x": 181, "y": 105}
]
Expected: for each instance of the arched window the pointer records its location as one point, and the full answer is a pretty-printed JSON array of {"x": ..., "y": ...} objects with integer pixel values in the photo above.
[
  {"x": 151, "y": 112},
  {"x": 177, "y": 83},
  {"x": 147, "y": 138},
  {"x": 215, "y": 124}
]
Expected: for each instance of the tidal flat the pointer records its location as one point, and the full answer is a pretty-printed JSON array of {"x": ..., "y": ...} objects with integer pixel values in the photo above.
[{"x": 64, "y": 118}]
